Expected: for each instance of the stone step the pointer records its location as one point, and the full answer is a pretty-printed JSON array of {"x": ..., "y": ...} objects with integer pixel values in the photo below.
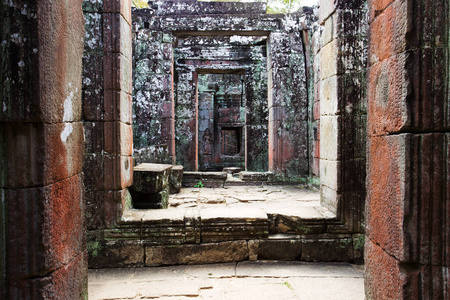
[
  {"x": 204, "y": 179},
  {"x": 134, "y": 253}
]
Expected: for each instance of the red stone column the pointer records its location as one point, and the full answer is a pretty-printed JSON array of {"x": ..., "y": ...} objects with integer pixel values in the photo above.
[
  {"x": 43, "y": 248},
  {"x": 408, "y": 203}
]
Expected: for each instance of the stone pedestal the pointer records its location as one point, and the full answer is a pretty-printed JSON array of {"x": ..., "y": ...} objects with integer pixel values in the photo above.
[{"x": 150, "y": 188}]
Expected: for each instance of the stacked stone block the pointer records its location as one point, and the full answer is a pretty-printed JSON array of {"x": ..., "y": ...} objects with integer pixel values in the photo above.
[
  {"x": 150, "y": 187},
  {"x": 288, "y": 103},
  {"x": 42, "y": 233},
  {"x": 341, "y": 90},
  {"x": 107, "y": 110},
  {"x": 408, "y": 151}
]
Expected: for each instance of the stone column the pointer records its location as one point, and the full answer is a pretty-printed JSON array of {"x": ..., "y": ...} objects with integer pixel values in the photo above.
[
  {"x": 107, "y": 77},
  {"x": 408, "y": 203},
  {"x": 43, "y": 249},
  {"x": 288, "y": 103},
  {"x": 341, "y": 89}
]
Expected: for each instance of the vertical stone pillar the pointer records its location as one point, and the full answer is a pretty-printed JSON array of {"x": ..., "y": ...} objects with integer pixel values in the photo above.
[
  {"x": 107, "y": 77},
  {"x": 288, "y": 102},
  {"x": 408, "y": 203},
  {"x": 43, "y": 249},
  {"x": 342, "y": 96}
]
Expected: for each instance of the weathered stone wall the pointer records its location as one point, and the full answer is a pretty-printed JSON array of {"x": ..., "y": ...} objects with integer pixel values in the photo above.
[
  {"x": 42, "y": 213},
  {"x": 107, "y": 110},
  {"x": 277, "y": 121},
  {"x": 408, "y": 151},
  {"x": 341, "y": 88}
]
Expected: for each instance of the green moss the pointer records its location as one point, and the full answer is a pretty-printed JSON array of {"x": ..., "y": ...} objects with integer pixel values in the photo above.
[
  {"x": 358, "y": 243},
  {"x": 94, "y": 248}
]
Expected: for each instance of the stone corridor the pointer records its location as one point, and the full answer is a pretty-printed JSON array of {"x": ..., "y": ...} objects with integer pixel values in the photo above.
[{"x": 262, "y": 280}]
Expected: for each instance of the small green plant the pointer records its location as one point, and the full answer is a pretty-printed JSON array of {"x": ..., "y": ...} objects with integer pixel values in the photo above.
[
  {"x": 288, "y": 285},
  {"x": 199, "y": 185}
]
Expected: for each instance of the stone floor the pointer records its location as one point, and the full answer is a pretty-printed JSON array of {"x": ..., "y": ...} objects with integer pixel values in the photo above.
[
  {"x": 234, "y": 281},
  {"x": 277, "y": 199}
]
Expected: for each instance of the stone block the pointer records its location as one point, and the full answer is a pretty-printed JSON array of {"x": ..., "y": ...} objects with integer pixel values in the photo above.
[
  {"x": 208, "y": 179},
  {"x": 329, "y": 103},
  {"x": 119, "y": 6},
  {"x": 118, "y": 138},
  {"x": 327, "y": 7},
  {"x": 117, "y": 72},
  {"x": 116, "y": 34},
  {"x": 389, "y": 31},
  {"x": 69, "y": 281},
  {"x": 330, "y": 174},
  {"x": 329, "y": 198},
  {"x": 117, "y": 172},
  {"x": 388, "y": 92},
  {"x": 104, "y": 208},
  {"x": 196, "y": 254},
  {"x": 25, "y": 154},
  {"x": 329, "y": 137},
  {"x": 377, "y": 7},
  {"x": 31, "y": 250},
  {"x": 280, "y": 249},
  {"x": 110, "y": 137},
  {"x": 330, "y": 30},
  {"x": 65, "y": 150},
  {"x": 151, "y": 178},
  {"x": 33, "y": 163},
  {"x": 118, "y": 106},
  {"x": 424, "y": 70},
  {"x": 328, "y": 249},
  {"x": 329, "y": 56},
  {"x": 253, "y": 246},
  {"x": 104, "y": 254},
  {"x": 387, "y": 193},
  {"x": 175, "y": 179},
  {"x": 382, "y": 274},
  {"x": 255, "y": 176}
]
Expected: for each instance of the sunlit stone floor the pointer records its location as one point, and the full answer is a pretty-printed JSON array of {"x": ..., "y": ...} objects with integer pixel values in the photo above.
[
  {"x": 247, "y": 280},
  {"x": 290, "y": 200}
]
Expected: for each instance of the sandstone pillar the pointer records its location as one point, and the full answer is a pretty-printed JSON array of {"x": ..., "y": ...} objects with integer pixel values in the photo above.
[
  {"x": 43, "y": 249},
  {"x": 408, "y": 203}
]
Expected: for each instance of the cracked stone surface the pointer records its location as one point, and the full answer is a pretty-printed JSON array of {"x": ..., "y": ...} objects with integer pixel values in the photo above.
[
  {"x": 283, "y": 200},
  {"x": 244, "y": 280}
]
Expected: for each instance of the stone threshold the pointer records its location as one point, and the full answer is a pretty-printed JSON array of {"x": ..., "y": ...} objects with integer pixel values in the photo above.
[{"x": 216, "y": 230}]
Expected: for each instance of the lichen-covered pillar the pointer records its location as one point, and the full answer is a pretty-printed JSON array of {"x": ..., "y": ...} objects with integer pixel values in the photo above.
[
  {"x": 341, "y": 90},
  {"x": 288, "y": 104},
  {"x": 107, "y": 77},
  {"x": 408, "y": 203},
  {"x": 42, "y": 215}
]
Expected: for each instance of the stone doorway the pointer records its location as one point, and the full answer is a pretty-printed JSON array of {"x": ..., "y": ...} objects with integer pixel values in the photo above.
[{"x": 221, "y": 121}]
